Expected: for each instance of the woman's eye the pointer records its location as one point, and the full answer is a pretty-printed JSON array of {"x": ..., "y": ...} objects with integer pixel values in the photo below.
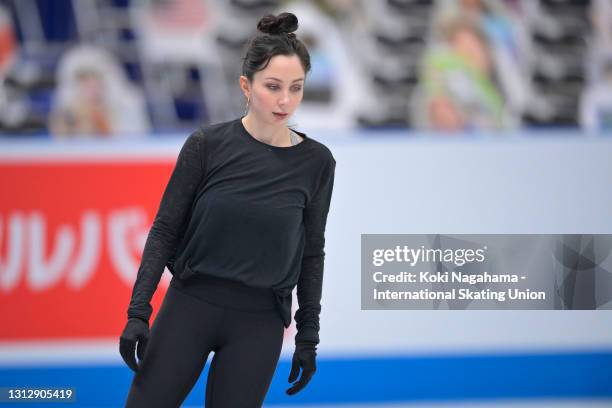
[{"x": 275, "y": 87}]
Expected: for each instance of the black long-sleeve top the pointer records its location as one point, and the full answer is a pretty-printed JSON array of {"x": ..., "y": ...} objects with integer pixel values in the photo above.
[{"x": 238, "y": 208}]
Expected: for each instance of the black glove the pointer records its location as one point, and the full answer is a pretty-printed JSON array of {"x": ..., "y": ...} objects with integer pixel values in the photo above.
[
  {"x": 136, "y": 331},
  {"x": 305, "y": 357}
]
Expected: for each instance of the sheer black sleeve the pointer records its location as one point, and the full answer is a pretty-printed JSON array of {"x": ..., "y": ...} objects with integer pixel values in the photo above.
[
  {"x": 310, "y": 282},
  {"x": 164, "y": 235}
]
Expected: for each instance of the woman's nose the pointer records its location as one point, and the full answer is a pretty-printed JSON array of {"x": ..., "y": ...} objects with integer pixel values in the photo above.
[{"x": 284, "y": 98}]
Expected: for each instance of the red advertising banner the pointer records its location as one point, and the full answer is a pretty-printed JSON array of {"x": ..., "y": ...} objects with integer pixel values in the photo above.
[{"x": 71, "y": 239}]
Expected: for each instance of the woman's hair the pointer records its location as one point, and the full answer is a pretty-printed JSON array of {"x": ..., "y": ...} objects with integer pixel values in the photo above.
[{"x": 277, "y": 38}]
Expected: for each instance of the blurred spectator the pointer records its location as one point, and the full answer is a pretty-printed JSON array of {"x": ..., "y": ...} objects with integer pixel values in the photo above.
[
  {"x": 8, "y": 44},
  {"x": 600, "y": 41},
  {"x": 14, "y": 109},
  {"x": 509, "y": 41},
  {"x": 596, "y": 103},
  {"x": 596, "y": 100},
  {"x": 94, "y": 97},
  {"x": 333, "y": 87},
  {"x": 601, "y": 15},
  {"x": 181, "y": 61},
  {"x": 460, "y": 87}
]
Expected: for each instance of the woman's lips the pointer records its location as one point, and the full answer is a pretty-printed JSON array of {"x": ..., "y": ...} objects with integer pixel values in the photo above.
[{"x": 280, "y": 115}]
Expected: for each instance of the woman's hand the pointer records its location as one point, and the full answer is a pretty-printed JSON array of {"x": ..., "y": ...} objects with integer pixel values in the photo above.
[
  {"x": 135, "y": 331},
  {"x": 304, "y": 357}
]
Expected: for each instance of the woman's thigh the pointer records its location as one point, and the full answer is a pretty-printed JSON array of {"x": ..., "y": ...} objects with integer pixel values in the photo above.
[
  {"x": 181, "y": 338},
  {"x": 242, "y": 368}
]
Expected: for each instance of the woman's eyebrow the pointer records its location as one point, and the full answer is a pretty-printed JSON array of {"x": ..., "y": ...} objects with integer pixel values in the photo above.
[{"x": 279, "y": 80}]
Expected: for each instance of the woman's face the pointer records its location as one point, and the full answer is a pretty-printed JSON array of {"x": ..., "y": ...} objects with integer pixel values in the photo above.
[{"x": 279, "y": 88}]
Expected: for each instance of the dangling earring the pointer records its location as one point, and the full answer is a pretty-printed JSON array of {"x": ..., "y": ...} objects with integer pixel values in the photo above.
[{"x": 247, "y": 105}]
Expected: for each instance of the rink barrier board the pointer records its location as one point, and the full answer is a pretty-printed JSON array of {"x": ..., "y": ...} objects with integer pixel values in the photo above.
[{"x": 440, "y": 378}]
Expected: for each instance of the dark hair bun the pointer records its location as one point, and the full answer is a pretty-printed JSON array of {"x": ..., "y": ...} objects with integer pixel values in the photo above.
[{"x": 283, "y": 23}]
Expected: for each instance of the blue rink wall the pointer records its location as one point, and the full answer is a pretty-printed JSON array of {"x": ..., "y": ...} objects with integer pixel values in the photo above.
[
  {"x": 444, "y": 378},
  {"x": 398, "y": 183}
]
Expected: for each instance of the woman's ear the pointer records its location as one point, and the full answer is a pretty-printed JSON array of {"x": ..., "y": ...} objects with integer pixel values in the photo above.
[{"x": 244, "y": 85}]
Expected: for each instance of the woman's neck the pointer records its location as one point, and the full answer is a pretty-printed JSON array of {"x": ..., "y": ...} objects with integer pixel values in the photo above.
[{"x": 273, "y": 135}]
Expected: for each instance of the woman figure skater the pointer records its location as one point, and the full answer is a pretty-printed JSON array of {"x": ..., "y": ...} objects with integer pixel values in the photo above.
[{"x": 241, "y": 223}]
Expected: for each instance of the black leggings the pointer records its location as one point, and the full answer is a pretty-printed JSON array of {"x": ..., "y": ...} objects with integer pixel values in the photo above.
[{"x": 238, "y": 323}]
